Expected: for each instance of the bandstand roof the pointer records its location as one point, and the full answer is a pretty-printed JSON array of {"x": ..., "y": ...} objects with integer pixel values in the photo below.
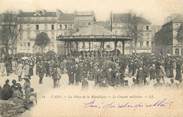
[{"x": 93, "y": 33}]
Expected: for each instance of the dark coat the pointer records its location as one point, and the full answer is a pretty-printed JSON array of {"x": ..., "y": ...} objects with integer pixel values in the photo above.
[
  {"x": 152, "y": 73},
  {"x": 140, "y": 77},
  {"x": 6, "y": 92},
  {"x": 178, "y": 72}
]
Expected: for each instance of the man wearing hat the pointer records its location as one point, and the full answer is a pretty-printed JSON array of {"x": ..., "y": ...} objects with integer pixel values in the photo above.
[
  {"x": 14, "y": 85},
  {"x": 56, "y": 75},
  {"x": 41, "y": 72},
  {"x": 140, "y": 76},
  {"x": 152, "y": 72},
  {"x": 6, "y": 91}
]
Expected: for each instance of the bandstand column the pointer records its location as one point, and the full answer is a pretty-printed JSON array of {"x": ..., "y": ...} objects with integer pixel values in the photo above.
[
  {"x": 123, "y": 42},
  {"x": 65, "y": 47},
  {"x": 102, "y": 45},
  {"x": 115, "y": 46},
  {"x": 89, "y": 45},
  {"x": 69, "y": 49},
  {"x": 77, "y": 48}
]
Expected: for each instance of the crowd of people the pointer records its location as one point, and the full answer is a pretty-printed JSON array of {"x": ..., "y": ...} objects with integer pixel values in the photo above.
[
  {"x": 119, "y": 71},
  {"x": 18, "y": 90},
  {"x": 104, "y": 71},
  {"x": 19, "y": 93}
]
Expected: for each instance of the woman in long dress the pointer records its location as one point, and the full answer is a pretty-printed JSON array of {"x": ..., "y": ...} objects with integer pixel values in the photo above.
[{"x": 178, "y": 72}]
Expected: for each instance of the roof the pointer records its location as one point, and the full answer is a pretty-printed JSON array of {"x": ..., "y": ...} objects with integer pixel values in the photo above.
[
  {"x": 124, "y": 17},
  {"x": 178, "y": 18},
  {"x": 174, "y": 18},
  {"x": 95, "y": 38},
  {"x": 40, "y": 13},
  {"x": 1, "y": 18},
  {"x": 84, "y": 13},
  {"x": 66, "y": 17},
  {"x": 93, "y": 30},
  {"x": 94, "y": 33}
]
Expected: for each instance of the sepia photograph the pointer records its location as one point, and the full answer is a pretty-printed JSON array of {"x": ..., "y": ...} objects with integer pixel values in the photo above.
[{"x": 91, "y": 58}]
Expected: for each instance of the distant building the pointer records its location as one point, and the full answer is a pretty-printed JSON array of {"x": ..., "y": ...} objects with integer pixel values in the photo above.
[
  {"x": 155, "y": 29},
  {"x": 58, "y": 23},
  {"x": 166, "y": 39},
  {"x": 119, "y": 26},
  {"x": 52, "y": 23},
  {"x": 32, "y": 23},
  {"x": 84, "y": 19},
  {"x": 105, "y": 24},
  {"x": 1, "y": 43}
]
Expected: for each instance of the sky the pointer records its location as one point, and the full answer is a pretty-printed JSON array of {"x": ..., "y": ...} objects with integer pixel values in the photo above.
[{"x": 154, "y": 10}]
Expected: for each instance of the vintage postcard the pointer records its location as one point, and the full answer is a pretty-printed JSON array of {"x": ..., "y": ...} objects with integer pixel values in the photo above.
[{"x": 91, "y": 58}]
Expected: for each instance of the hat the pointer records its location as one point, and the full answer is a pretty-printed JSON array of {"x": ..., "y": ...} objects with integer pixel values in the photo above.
[
  {"x": 18, "y": 84},
  {"x": 7, "y": 81},
  {"x": 14, "y": 81}
]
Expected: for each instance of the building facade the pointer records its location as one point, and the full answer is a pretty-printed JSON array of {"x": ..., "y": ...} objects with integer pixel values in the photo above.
[
  {"x": 33, "y": 23},
  {"x": 53, "y": 24},
  {"x": 83, "y": 19},
  {"x": 119, "y": 26},
  {"x": 59, "y": 23},
  {"x": 167, "y": 40}
]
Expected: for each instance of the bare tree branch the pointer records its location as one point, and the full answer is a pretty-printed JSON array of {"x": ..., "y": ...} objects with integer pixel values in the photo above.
[
  {"x": 133, "y": 27},
  {"x": 10, "y": 30}
]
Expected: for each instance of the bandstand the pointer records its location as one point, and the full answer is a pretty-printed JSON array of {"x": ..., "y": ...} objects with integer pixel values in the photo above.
[{"x": 89, "y": 36}]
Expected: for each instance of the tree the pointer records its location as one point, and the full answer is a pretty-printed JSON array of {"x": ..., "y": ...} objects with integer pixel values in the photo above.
[
  {"x": 132, "y": 28},
  {"x": 10, "y": 29},
  {"x": 180, "y": 34},
  {"x": 42, "y": 40}
]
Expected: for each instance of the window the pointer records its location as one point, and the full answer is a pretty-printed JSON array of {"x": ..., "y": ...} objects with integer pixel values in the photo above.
[
  {"x": 147, "y": 27},
  {"x": 152, "y": 43},
  {"x": 65, "y": 26},
  {"x": 28, "y": 44},
  {"x": 52, "y": 26},
  {"x": 177, "y": 51},
  {"x": 37, "y": 27},
  {"x": 60, "y": 26},
  {"x": 147, "y": 43},
  {"x": 182, "y": 51}
]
